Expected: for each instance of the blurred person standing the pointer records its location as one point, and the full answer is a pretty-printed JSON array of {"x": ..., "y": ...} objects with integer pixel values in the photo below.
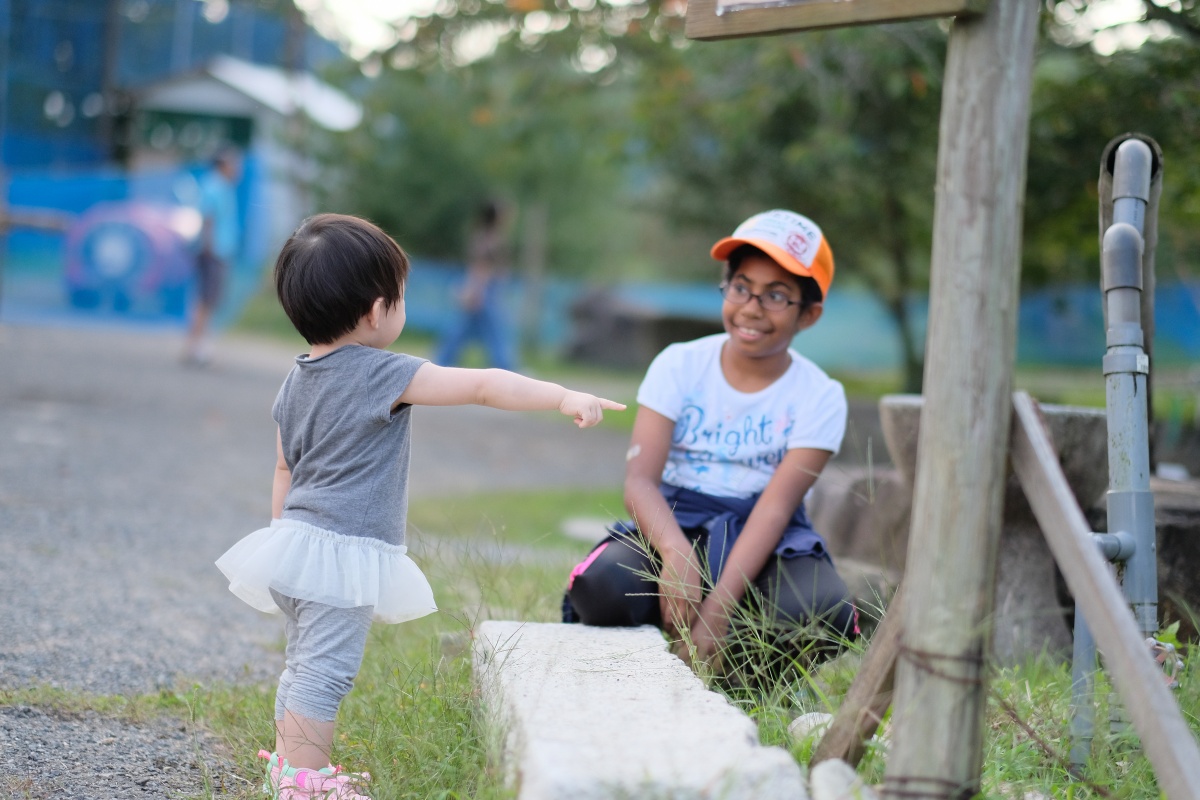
[
  {"x": 482, "y": 317},
  {"x": 220, "y": 237}
]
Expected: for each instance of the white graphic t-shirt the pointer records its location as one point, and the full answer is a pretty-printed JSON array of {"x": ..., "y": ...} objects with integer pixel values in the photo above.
[{"x": 728, "y": 443}]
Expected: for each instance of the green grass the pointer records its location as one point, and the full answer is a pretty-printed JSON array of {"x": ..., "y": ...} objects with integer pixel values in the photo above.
[
  {"x": 412, "y": 720},
  {"x": 528, "y": 518}
]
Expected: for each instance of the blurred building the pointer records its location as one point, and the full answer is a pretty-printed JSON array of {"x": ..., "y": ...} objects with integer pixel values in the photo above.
[
  {"x": 267, "y": 111},
  {"x": 70, "y": 70},
  {"x": 110, "y": 111}
]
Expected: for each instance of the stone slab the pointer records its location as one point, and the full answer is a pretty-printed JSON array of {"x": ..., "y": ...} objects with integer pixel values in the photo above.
[{"x": 585, "y": 713}]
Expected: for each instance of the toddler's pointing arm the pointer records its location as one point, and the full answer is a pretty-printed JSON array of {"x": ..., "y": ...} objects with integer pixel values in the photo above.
[{"x": 497, "y": 388}]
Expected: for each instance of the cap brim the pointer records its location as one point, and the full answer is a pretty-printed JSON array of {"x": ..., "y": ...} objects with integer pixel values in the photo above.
[{"x": 722, "y": 250}]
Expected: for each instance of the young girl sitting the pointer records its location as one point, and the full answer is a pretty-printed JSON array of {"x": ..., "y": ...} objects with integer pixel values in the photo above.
[
  {"x": 334, "y": 557},
  {"x": 731, "y": 432}
]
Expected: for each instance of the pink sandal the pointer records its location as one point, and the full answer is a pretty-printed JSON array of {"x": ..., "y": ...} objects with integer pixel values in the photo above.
[{"x": 284, "y": 782}]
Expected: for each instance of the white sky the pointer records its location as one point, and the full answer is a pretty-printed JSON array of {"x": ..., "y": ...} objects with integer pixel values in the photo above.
[
  {"x": 366, "y": 23},
  {"x": 1106, "y": 18}
]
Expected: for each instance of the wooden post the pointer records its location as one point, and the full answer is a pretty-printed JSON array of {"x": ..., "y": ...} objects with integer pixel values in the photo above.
[
  {"x": 1165, "y": 736},
  {"x": 869, "y": 696},
  {"x": 940, "y": 697}
]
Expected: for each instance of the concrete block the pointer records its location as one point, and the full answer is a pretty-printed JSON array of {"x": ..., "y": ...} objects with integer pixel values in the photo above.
[
  {"x": 836, "y": 780},
  {"x": 586, "y": 529},
  {"x": 863, "y": 513},
  {"x": 1028, "y": 616},
  {"x": 585, "y": 713}
]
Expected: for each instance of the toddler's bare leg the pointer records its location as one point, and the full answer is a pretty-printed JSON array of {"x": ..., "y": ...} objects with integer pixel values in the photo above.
[{"x": 305, "y": 743}]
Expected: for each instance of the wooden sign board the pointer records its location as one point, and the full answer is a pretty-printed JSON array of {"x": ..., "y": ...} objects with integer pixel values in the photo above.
[{"x": 727, "y": 19}]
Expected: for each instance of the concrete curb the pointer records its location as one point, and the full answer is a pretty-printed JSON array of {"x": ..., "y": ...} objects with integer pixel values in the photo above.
[{"x": 584, "y": 713}]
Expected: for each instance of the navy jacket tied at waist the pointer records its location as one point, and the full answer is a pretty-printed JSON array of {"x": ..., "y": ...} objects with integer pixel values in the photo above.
[{"x": 723, "y": 519}]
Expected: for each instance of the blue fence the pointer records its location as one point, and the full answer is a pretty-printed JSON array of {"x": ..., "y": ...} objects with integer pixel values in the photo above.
[
  {"x": 125, "y": 252},
  {"x": 1057, "y": 326},
  {"x": 124, "y": 260}
]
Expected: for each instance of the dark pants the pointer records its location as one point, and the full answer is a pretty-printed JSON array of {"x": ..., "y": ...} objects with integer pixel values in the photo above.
[
  {"x": 795, "y": 606},
  {"x": 210, "y": 279}
]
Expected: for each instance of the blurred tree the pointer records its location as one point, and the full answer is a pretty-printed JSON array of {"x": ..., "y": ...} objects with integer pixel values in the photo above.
[
  {"x": 1182, "y": 17},
  {"x": 606, "y": 116},
  {"x": 412, "y": 166},
  {"x": 525, "y": 123},
  {"x": 1151, "y": 90},
  {"x": 587, "y": 108},
  {"x": 840, "y": 125}
]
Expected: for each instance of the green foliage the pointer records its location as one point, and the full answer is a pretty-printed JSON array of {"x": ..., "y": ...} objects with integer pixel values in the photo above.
[
  {"x": 411, "y": 169},
  {"x": 644, "y": 146},
  {"x": 1169, "y": 635},
  {"x": 525, "y": 126},
  {"x": 841, "y": 126},
  {"x": 1081, "y": 101}
]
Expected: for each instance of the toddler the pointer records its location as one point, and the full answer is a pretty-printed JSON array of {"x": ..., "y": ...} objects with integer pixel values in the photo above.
[{"x": 334, "y": 558}]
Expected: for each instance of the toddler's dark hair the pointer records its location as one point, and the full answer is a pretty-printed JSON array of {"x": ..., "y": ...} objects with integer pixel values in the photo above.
[
  {"x": 810, "y": 290},
  {"x": 330, "y": 272}
]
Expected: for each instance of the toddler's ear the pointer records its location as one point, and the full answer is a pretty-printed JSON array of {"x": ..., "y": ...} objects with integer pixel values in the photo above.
[
  {"x": 809, "y": 316},
  {"x": 375, "y": 315}
]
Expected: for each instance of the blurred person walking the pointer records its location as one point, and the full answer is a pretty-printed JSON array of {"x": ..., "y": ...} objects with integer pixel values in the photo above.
[
  {"x": 482, "y": 317},
  {"x": 220, "y": 237}
]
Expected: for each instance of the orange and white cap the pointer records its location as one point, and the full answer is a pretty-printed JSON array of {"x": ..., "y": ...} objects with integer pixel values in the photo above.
[{"x": 794, "y": 241}]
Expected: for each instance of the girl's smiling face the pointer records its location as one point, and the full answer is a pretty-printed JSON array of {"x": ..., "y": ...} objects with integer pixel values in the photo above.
[{"x": 754, "y": 332}]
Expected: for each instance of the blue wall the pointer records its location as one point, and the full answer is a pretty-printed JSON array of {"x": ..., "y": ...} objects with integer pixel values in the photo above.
[
  {"x": 1061, "y": 325},
  {"x": 57, "y": 47}
]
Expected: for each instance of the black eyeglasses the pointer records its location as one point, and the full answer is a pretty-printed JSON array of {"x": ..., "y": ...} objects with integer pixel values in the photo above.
[{"x": 739, "y": 294}]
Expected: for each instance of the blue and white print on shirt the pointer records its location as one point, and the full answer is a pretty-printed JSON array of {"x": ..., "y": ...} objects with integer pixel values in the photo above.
[{"x": 728, "y": 443}]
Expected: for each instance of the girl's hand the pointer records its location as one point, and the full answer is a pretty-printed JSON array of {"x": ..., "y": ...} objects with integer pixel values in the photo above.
[
  {"x": 709, "y": 631},
  {"x": 679, "y": 590},
  {"x": 586, "y": 409}
]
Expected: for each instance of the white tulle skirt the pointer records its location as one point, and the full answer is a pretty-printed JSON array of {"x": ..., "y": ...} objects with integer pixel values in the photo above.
[{"x": 310, "y": 563}]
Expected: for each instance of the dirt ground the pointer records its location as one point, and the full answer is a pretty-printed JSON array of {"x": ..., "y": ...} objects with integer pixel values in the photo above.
[{"x": 123, "y": 475}]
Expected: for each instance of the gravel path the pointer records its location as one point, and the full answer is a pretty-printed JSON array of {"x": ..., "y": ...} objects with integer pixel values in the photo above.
[{"x": 123, "y": 476}]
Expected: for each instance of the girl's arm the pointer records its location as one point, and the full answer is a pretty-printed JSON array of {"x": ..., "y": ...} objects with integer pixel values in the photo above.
[
  {"x": 497, "y": 388},
  {"x": 680, "y": 586},
  {"x": 283, "y": 478},
  {"x": 758, "y": 539}
]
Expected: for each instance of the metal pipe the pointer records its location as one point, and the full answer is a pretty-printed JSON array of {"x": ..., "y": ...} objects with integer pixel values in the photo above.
[
  {"x": 1083, "y": 692},
  {"x": 1126, "y": 368},
  {"x": 1131, "y": 183},
  {"x": 1126, "y": 371},
  {"x": 1117, "y": 546}
]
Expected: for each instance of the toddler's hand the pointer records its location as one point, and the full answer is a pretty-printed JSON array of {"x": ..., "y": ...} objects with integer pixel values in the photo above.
[{"x": 587, "y": 409}]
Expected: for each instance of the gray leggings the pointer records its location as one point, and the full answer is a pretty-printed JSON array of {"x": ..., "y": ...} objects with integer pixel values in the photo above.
[{"x": 325, "y": 647}]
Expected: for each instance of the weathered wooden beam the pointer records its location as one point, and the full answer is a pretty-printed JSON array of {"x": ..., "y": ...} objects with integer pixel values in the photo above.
[
  {"x": 870, "y": 694},
  {"x": 1166, "y": 739},
  {"x": 940, "y": 697},
  {"x": 759, "y": 17}
]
